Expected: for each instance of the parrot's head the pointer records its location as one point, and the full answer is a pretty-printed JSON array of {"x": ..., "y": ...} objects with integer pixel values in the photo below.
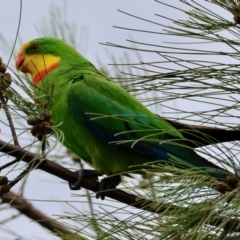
[{"x": 40, "y": 56}]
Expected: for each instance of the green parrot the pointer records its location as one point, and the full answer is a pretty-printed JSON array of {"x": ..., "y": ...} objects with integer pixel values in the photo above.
[{"x": 102, "y": 123}]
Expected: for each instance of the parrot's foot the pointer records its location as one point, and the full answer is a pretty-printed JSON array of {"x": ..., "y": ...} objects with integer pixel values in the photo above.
[
  {"x": 84, "y": 173},
  {"x": 106, "y": 185}
]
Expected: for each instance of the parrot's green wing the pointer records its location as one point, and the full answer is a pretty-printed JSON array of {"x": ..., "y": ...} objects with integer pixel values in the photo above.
[{"x": 114, "y": 116}]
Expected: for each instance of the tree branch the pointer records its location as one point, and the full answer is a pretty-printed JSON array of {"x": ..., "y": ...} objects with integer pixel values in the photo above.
[
  {"x": 119, "y": 195},
  {"x": 198, "y": 136},
  {"x": 26, "y": 208},
  {"x": 69, "y": 176}
]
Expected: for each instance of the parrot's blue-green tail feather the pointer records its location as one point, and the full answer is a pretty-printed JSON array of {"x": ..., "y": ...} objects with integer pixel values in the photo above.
[{"x": 174, "y": 151}]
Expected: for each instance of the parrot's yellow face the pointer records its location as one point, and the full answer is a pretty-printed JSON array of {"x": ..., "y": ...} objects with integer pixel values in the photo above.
[{"x": 30, "y": 60}]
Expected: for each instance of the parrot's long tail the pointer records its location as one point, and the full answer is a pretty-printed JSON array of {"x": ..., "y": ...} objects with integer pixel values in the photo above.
[{"x": 167, "y": 151}]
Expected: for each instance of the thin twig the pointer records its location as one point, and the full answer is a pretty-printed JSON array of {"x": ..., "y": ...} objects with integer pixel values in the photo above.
[
  {"x": 90, "y": 203},
  {"x": 9, "y": 164},
  {"x": 9, "y": 118}
]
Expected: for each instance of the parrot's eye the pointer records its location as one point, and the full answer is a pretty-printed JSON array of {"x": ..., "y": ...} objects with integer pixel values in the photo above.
[{"x": 34, "y": 47}]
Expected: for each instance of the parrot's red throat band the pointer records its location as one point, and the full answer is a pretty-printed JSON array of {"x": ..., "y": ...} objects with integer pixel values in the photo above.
[{"x": 40, "y": 75}]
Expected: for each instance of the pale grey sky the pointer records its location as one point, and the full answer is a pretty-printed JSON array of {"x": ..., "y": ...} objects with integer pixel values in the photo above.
[{"x": 97, "y": 16}]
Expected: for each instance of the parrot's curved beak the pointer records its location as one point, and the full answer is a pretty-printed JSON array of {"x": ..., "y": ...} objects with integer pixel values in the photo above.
[{"x": 19, "y": 61}]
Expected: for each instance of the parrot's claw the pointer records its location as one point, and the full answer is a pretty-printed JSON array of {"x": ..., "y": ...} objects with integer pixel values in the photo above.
[
  {"x": 106, "y": 185},
  {"x": 83, "y": 173}
]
